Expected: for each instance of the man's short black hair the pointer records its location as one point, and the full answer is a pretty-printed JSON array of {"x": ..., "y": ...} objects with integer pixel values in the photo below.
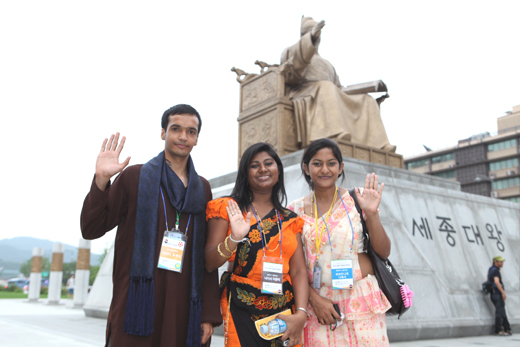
[{"x": 179, "y": 109}]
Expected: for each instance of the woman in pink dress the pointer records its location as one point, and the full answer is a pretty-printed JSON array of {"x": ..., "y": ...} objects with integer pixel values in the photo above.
[{"x": 339, "y": 271}]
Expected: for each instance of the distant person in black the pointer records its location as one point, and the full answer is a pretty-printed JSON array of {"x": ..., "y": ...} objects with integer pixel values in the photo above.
[{"x": 498, "y": 297}]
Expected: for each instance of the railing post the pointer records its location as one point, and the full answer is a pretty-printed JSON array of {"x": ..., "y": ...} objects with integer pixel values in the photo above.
[
  {"x": 35, "y": 280},
  {"x": 82, "y": 273},
  {"x": 56, "y": 275}
]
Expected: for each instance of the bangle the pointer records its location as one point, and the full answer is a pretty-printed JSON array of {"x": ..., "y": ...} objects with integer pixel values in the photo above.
[
  {"x": 222, "y": 254},
  {"x": 227, "y": 247},
  {"x": 304, "y": 310},
  {"x": 243, "y": 240}
]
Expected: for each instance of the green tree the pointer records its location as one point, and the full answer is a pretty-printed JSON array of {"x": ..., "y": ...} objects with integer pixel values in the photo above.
[{"x": 25, "y": 267}]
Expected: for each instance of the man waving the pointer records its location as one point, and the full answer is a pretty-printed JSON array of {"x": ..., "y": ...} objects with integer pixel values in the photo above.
[{"x": 162, "y": 294}]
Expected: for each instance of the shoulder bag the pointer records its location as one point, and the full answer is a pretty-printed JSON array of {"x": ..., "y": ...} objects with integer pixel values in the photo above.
[
  {"x": 391, "y": 284},
  {"x": 487, "y": 287}
]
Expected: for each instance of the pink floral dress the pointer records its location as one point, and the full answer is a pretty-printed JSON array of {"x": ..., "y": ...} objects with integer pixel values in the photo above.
[{"x": 365, "y": 305}]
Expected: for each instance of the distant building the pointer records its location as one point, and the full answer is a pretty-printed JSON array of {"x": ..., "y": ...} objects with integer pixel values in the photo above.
[{"x": 485, "y": 164}]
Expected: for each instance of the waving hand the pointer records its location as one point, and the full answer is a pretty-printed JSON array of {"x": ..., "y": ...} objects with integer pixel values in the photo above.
[
  {"x": 371, "y": 198},
  {"x": 239, "y": 225},
  {"x": 107, "y": 163}
]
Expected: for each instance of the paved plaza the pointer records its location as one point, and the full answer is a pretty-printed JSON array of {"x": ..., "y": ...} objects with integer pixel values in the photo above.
[{"x": 42, "y": 325}]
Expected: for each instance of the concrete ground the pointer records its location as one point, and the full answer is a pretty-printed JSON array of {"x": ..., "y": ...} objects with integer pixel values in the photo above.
[{"x": 39, "y": 324}]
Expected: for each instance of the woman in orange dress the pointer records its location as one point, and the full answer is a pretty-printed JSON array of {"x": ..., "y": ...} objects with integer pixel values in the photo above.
[{"x": 250, "y": 229}]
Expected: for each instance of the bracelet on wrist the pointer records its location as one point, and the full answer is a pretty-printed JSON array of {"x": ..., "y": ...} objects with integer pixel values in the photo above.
[
  {"x": 222, "y": 254},
  {"x": 239, "y": 241},
  {"x": 304, "y": 310},
  {"x": 227, "y": 247}
]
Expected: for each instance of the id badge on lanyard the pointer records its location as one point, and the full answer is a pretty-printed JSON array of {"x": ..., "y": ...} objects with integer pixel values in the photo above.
[
  {"x": 341, "y": 271},
  {"x": 172, "y": 250},
  {"x": 272, "y": 275},
  {"x": 173, "y": 245},
  {"x": 272, "y": 267}
]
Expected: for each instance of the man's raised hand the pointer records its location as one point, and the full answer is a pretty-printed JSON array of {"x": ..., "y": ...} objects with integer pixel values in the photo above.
[{"x": 107, "y": 163}]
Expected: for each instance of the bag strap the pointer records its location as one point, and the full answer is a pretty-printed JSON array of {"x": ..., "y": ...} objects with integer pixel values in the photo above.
[{"x": 352, "y": 193}]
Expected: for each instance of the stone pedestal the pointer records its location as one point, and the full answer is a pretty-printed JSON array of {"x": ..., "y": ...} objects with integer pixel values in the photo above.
[
  {"x": 266, "y": 115},
  {"x": 370, "y": 154},
  {"x": 56, "y": 275},
  {"x": 35, "y": 280},
  {"x": 82, "y": 274}
]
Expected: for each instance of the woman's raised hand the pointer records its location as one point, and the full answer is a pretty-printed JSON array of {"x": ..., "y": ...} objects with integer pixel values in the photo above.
[
  {"x": 239, "y": 226},
  {"x": 107, "y": 163},
  {"x": 371, "y": 198}
]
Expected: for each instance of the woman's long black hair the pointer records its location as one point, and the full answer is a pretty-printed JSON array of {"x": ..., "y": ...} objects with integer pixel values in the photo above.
[
  {"x": 312, "y": 149},
  {"x": 242, "y": 192}
]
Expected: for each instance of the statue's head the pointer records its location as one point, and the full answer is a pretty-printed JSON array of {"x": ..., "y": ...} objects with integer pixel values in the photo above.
[{"x": 307, "y": 24}]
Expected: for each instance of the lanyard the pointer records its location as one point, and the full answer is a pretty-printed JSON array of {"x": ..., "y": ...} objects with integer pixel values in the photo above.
[
  {"x": 318, "y": 243},
  {"x": 346, "y": 211},
  {"x": 178, "y": 216},
  {"x": 262, "y": 235},
  {"x": 319, "y": 235}
]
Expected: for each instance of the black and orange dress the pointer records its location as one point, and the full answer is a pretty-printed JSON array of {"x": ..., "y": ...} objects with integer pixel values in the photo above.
[{"x": 241, "y": 300}]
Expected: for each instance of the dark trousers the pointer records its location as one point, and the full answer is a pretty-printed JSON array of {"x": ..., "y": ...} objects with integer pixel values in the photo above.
[{"x": 500, "y": 312}]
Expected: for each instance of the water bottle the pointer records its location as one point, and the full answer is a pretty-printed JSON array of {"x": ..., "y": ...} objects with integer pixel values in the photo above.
[{"x": 274, "y": 327}]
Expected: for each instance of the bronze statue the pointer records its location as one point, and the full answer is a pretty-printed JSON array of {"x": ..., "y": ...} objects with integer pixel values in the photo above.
[{"x": 322, "y": 107}]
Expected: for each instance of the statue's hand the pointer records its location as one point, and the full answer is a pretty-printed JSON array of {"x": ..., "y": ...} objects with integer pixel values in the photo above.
[{"x": 316, "y": 30}]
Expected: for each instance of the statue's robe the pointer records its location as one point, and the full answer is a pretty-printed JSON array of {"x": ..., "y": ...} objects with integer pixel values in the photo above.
[{"x": 321, "y": 108}]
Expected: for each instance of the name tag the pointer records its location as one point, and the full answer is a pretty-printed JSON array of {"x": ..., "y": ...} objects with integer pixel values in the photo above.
[
  {"x": 172, "y": 251},
  {"x": 272, "y": 275},
  {"x": 341, "y": 271}
]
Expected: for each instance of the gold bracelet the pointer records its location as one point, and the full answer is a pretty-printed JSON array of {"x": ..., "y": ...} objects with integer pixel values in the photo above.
[
  {"x": 220, "y": 252},
  {"x": 227, "y": 247}
]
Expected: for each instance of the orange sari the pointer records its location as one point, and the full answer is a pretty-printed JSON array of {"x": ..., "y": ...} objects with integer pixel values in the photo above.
[{"x": 242, "y": 302}]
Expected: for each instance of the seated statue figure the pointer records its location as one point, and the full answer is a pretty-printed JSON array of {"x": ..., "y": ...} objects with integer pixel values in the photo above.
[{"x": 321, "y": 107}]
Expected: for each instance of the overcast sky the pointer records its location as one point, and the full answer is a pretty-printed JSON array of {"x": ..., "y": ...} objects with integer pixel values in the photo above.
[{"x": 72, "y": 73}]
